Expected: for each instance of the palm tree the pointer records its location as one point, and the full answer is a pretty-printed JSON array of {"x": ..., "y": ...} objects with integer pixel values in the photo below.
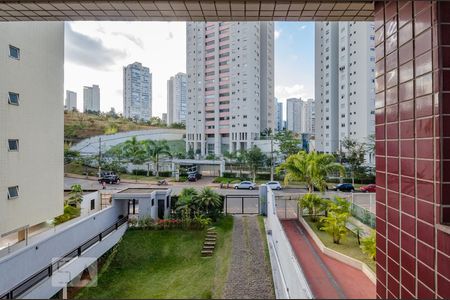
[
  {"x": 134, "y": 152},
  {"x": 76, "y": 196},
  {"x": 255, "y": 159},
  {"x": 334, "y": 224},
  {"x": 313, "y": 203},
  {"x": 155, "y": 150},
  {"x": 312, "y": 168},
  {"x": 208, "y": 198},
  {"x": 230, "y": 157}
]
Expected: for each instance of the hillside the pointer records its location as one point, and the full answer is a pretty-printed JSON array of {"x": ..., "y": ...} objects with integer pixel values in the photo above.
[{"x": 78, "y": 126}]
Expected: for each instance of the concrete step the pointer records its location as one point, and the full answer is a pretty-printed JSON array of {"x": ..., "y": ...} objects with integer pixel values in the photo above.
[
  {"x": 207, "y": 247},
  {"x": 207, "y": 252},
  {"x": 212, "y": 239},
  {"x": 209, "y": 243}
]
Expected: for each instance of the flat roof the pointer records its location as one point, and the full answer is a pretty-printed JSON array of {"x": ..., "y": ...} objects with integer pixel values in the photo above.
[{"x": 142, "y": 190}]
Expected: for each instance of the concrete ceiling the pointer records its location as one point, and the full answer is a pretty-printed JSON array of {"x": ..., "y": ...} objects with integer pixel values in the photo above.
[{"x": 206, "y": 10}]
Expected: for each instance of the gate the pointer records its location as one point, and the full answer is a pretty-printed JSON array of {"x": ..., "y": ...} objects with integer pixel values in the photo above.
[{"x": 241, "y": 204}]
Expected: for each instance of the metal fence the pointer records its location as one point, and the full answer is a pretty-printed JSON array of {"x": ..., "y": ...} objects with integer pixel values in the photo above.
[
  {"x": 241, "y": 204},
  {"x": 362, "y": 206}
]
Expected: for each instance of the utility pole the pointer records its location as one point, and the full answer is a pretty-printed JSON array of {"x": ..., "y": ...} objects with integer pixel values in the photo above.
[{"x": 99, "y": 156}]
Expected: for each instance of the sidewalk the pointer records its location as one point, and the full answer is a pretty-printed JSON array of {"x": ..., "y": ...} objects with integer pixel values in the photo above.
[{"x": 327, "y": 277}]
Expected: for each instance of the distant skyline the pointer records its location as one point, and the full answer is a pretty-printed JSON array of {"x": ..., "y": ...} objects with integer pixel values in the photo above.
[{"x": 95, "y": 53}]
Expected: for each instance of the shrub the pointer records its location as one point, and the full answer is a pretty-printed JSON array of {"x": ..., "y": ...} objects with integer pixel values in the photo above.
[
  {"x": 263, "y": 176},
  {"x": 334, "y": 225},
  {"x": 139, "y": 172},
  {"x": 228, "y": 175},
  {"x": 312, "y": 202},
  {"x": 368, "y": 245},
  {"x": 70, "y": 212},
  {"x": 165, "y": 173}
]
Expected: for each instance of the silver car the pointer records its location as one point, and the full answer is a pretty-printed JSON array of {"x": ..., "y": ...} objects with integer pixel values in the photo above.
[
  {"x": 274, "y": 185},
  {"x": 248, "y": 185}
]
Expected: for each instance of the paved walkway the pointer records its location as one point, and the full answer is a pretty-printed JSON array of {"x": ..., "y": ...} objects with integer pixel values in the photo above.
[
  {"x": 250, "y": 274},
  {"x": 327, "y": 277}
]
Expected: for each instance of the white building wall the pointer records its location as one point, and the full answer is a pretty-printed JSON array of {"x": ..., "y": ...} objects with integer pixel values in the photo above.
[
  {"x": 71, "y": 100},
  {"x": 279, "y": 124},
  {"x": 137, "y": 92},
  {"x": 176, "y": 99},
  {"x": 295, "y": 115},
  {"x": 91, "y": 98},
  {"x": 37, "y": 122}
]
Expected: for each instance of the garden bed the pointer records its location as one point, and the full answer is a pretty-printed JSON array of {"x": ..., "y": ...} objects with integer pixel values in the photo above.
[
  {"x": 349, "y": 246},
  {"x": 165, "y": 264}
]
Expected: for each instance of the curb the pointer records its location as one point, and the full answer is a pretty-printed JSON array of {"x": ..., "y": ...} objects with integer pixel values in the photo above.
[{"x": 339, "y": 256}]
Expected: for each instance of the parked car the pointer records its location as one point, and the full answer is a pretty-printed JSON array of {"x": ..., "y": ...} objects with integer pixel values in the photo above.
[
  {"x": 274, "y": 185},
  {"x": 370, "y": 188},
  {"x": 248, "y": 185},
  {"x": 194, "y": 174},
  {"x": 110, "y": 178},
  {"x": 192, "y": 177},
  {"x": 345, "y": 187}
]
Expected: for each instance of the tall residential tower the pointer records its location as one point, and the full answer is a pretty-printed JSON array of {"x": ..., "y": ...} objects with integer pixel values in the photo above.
[
  {"x": 176, "y": 99},
  {"x": 137, "y": 92},
  {"x": 230, "y": 71},
  {"x": 71, "y": 101},
  {"x": 91, "y": 98}
]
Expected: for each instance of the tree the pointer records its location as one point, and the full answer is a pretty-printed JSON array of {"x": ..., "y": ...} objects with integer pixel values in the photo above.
[
  {"x": 268, "y": 132},
  {"x": 288, "y": 142},
  {"x": 230, "y": 157},
  {"x": 313, "y": 203},
  {"x": 208, "y": 199},
  {"x": 70, "y": 155},
  {"x": 134, "y": 152},
  {"x": 155, "y": 150},
  {"x": 178, "y": 125},
  {"x": 240, "y": 159},
  {"x": 75, "y": 196},
  {"x": 334, "y": 224},
  {"x": 368, "y": 245},
  {"x": 254, "y": 159},
  {"x": 311, "y": 168},
  {"x": 190, "y": 153},
  {"x": 354, "y": 155}
]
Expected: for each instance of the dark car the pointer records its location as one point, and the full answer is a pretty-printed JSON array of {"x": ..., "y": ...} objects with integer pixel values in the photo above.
[
  {"x": 110, "y": 178},
  {"x": 344, "y": 187},
  {"x": 192, "y": 177}
]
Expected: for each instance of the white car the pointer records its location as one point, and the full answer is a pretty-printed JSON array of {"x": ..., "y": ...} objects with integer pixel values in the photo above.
[
  {"x": 274, "y": 185},
  {"x": 248, "y": 185}
]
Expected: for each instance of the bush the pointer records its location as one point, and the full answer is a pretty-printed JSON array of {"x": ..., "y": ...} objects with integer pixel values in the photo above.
[
  {"x": 70, "y": 212},
  {"x": 228, "y": 175},
  {"x": 165, "y": 173},
  {"x": 263, "y": 176},
  {"x": 141, "y": 172},
  {"x": 368, "y": 245}
]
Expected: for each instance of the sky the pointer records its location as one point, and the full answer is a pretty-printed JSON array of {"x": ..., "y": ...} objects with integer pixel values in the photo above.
[{"x": 96, "y": 52}]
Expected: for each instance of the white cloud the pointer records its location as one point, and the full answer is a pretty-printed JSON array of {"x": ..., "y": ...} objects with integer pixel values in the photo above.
[
  {"x": 302, "y": 27},
  {"x": 277, "y": 33},
  {"x": 293, "y": 91}
]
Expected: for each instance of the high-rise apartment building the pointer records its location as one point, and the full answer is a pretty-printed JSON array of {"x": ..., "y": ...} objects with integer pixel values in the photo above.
[
  {"x": 294, "y": 115},
  {"x": 176, "y": 99},
  {"x": 71, "y": 100},
  {"x": 137, "y": 92},
  {"x": 230, "y": 84},
  {"x": 91, "y": 98},
  {"x": 31, "y": 125},
  {"x": 345, "y": 72},
  {"x": 278, "y": 115},
  {"x": 310, "y": 116}
]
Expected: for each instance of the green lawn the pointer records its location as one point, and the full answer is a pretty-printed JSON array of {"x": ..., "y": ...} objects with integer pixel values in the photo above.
[
  {"x": 165, "y": 264},
  {"x": 348, "y": 247}
]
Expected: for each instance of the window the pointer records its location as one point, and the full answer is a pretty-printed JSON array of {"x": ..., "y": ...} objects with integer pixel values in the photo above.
[
  {"x": 13, "y": 192},
  {"x": 92, "y": 204},
  {"x": 13, "y": 98},
  {"x": 14, "y": 52},
  {"x": 13, "y": 145}
]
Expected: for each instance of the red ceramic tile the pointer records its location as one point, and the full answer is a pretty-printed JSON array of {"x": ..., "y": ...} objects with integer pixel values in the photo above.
[
  {"x": 406, "y": 72},
  {"x": 445, "y": 37},
  {"x": 408, "y": 261},
  {"x": 408, "y": 205},
  {"x": 406, "y": 294},
  {"x": 379, "y": 36},
  {"x": 391, "y": 45},
  {"x": 404, "y": 14},
  {"x": 446, "y": 148},
  {"x": 425, "y": 190},
  {"x": 381, "y": 275},
  {"x": 390, "y": 9},
  {"x": 379, "y": 116},
  {"x": 425, "y": 254},
  {"x": 426, "y": 275},
  {"x": 408, "y": 282},
  {"x": 422, "y": 21},
  {"x": 406, "y": 110},
  {"x": 381, "y": 288},
  {"x": 443, "y": 242},
  {"x": 381, "y": 192},
  {"x": 393, "y": 217},
  {"x": 407, "y": 129},
  {"x": 444, "y": 9},
  {"x": 445, "y": 103},
  {"x": 406, "y": 52},
  {"x": 379, "y": 67},
  {"x": 445, "y": 126},
  {"x": 392, "y": 131},
  {"x": 436, "y": 81},
  {"x": 393, "y": 268},
  {"x": 392, "y": 148},
  {"x": 424, "y": 85},
  {"x": 379, "y": 100},
  {"x": 392, "y": 165},
  {"x": 424, "y": 106},
  {"x": 379, "y": 135},
  {"x": 380, "y": 180},
  {"x": 425, "y": 233},
  {"x": 445, "y": 56},
  {"x": 442, "y": 287},
  {"x": 443, "y": 265},
  {"x": 391, "y": 25},
  {"x": 408, "y": 186},
  {"x": 446, "y": 193},
  {"x": 381, "y": 210},
  {"x": 393, "y": 252},
  {"x": 424, "y": 292},
  {"x": 391, "y": 79},
  {"x": 407, "y": 167},
  {"x": 406, "y": 91},
  {"x": 423, "y": 64},
  {"x": 445, "y": 80},
  {"x": 409, "y": 226},
  {"x": 425, "y": 211},
  {"x": 393, "y": 285},
  {"x": 407, "y": 148},
  {"x": 379, "y": 83},
  {"x": 445, "y": 215},
  {"x": 422, "y": 43},
  {"x": 445, "y": 174},
  {"x": 425, "y": 148},
  {"x": 391, "y": 96},
  {"x": 392, "y": 60},
  {"x": 379, "y": 50},
  {"x": 424, "y": 128},
  {"x": 405, "y": 34},
  {"x": 425, "y": 169},
  {"x": 437, "y": 129},
  {"x": 408, "y": 243},
  {"x": 381, "y": 241},
  {"x": 393, "y": 200}
]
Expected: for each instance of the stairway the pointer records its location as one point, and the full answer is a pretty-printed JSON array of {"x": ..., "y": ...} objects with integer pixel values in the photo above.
[{"x": 210, "y": 242}]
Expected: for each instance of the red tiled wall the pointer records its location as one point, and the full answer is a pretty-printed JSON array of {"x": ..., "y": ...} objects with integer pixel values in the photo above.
[{"x": 413, "y": 148}]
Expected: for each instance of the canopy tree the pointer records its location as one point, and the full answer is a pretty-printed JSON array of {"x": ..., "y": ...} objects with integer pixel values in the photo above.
[
  {"x": 134, "y": 152},
  {"x": 155, "y": 150}
]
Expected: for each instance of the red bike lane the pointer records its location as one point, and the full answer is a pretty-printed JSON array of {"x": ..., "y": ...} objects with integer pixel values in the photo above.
[{"x": 327, "y": 277}]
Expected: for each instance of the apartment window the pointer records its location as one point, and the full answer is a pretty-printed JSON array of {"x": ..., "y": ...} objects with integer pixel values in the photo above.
[
  {"x": 14, "y": 52},
  {"x": 13, "y": 192},
  {"x": 13, "y": 145},
  {"x": 13, "y": 98},
  {"x": 92, "y": 204}
]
